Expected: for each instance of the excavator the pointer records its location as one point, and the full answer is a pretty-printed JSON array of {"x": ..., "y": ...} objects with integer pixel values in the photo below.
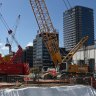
[{"x": 48, "y": 34}]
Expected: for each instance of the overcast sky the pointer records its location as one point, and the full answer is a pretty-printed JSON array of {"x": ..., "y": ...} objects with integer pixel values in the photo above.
[{"x": 27, "y": 28}]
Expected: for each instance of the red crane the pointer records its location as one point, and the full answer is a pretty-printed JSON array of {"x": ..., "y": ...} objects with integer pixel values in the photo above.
[{"x": 14, "y": 66}]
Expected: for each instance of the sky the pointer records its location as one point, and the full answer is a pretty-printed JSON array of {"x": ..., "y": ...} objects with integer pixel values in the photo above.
[{"x": 27, "y": 27}]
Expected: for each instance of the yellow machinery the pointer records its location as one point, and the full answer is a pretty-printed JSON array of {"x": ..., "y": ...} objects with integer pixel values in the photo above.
[
  {"x": 75, "y": 49},
  {"x": 46, "y": 29},
  {"x": 78, "y": 68},
  {"x": 48, "y": 32}
]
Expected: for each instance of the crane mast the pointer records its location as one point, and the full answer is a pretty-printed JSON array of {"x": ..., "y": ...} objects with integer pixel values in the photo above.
[
  {"x": 8, "y": 45},
  {"x": 46, "y": 29}
]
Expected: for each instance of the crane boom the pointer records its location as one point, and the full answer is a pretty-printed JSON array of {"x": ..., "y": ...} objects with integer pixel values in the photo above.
[
  {"x": 42, "y": 16},
  {"x": 17, "y": 57},
  {"x": 75, "y": 49},
  {"x": 46, "y": 28}
]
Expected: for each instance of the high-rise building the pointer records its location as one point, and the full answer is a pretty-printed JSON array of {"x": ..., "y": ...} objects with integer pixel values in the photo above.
[
  {"x": 78, "y": 22},
  {"x": 41, "y": 56}
]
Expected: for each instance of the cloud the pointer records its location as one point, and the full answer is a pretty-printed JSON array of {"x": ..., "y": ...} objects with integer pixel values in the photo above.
[
  {"x": 1, "y": 44},
  {"x": 3, "y": 49},
  {"x": 30, "y": 44}
]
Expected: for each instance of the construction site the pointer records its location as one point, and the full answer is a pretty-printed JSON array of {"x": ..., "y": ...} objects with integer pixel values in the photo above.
[{"x": 45, "y": 68}]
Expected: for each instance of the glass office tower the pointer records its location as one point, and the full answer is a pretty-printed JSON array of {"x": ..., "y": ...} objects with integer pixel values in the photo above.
[
  {"x": 41, "y": 56},
  {"x": 78, "y": 22}
]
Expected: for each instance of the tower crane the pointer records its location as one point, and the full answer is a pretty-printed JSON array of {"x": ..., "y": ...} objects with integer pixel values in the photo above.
[
  {"x": 7, "y": 27},
  {"x": 17, "y": 58},
  {"x": 48, "y": 32},
  {"x": 19, "y": 53},
  {"x": 9, "y": 44}
]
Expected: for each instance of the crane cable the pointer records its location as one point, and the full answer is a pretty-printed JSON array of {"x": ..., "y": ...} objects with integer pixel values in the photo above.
[
  {"x": 4, "y": 22},
  {"x": 15, "y": 28},
  {"x": 67, "y": 6},
  {"x": 8, "y": 29}
]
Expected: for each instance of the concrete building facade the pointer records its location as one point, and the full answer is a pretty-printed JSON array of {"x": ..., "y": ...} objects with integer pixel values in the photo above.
[
  {"x": 87, "y": 56},
  {"x": 78, "y": 22}
]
